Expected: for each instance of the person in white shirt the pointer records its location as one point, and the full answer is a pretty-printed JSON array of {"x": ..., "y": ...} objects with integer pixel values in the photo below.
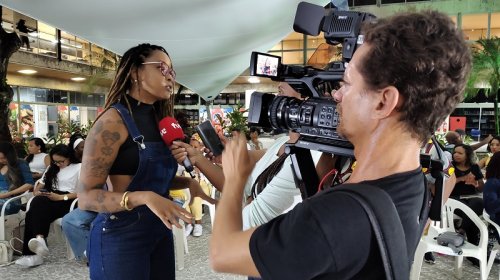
[
  {"x": 54, "y": 193},
  {"x": 38, "y": 159},
  {"x": 254, "y": 142}
]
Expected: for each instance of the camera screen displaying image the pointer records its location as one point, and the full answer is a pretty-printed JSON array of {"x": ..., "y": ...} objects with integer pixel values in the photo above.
[{"x": 264, "y": 65}]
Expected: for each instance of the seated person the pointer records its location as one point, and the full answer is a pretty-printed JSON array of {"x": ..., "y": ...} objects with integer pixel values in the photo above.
[
  {"x": 493, "y": 147},
  {"x": 254, "y": 142},
  {"x": 37, "y": 158},
  {"x": 454, "y": 138},
  {"x": 491, "y": 191},
  {"x": 15, "y": 177},
  {"x": 76, "y": 228},
  {"x": 77, "y": 143},
  {"x": 54, "y": 194},
  {"x": 469, "y": 182},
  {"x": 76, "y": 224}
]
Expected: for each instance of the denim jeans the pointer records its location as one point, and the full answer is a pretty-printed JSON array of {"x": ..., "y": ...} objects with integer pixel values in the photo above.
[
  {"x": 131, "y": 245},
  {"x": 76, "y": 227}
]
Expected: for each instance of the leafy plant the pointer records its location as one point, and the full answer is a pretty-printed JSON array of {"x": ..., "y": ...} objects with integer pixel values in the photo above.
[
  {"x": 238, "y": 122},
  {"x": 486, "y": 69}
]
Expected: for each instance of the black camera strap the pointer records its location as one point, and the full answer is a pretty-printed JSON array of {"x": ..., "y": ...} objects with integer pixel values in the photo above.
[{"x": 386, "y": 226}]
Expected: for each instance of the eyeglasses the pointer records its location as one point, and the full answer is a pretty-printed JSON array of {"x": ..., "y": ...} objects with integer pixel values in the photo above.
[
  {"x": 164, "y": 68},
  {"x": 58, "y": 162}
]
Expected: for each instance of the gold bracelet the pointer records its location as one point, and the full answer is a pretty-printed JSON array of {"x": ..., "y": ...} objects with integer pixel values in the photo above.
[{"x": 124, "y": 201}]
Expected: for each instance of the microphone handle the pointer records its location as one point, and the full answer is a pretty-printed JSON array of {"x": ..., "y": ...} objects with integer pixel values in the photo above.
[{"x": 188, "y": 166}]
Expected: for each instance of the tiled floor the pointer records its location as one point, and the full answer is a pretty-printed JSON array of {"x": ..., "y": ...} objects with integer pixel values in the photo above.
[{"x": 196, "y": 265}]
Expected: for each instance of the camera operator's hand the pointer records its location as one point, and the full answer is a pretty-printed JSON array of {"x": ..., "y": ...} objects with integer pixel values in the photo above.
[
  {"x": 236, "y": 161},
  {"x": 284, "y": 89}
]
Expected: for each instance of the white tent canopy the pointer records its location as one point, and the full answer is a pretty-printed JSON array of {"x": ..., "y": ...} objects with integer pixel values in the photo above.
[{"x": 209, "y": 41}]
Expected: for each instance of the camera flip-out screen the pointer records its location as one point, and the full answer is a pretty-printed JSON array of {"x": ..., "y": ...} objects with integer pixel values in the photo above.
[{"x": 264, "y": 65}]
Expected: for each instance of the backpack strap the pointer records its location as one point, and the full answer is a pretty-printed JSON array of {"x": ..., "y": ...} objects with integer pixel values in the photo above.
[{"x": 386, "y": 226}]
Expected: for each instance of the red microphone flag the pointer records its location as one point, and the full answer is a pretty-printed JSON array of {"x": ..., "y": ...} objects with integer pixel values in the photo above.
[{"x": 170, "y": 130}]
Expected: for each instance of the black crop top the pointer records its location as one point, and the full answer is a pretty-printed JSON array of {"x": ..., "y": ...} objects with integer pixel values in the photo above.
[{"x": 127, "y": 160}]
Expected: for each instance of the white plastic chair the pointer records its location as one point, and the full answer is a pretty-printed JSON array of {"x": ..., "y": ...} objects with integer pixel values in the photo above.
[
  {"x": 429, "y": 244},
  {"x": 211, "y": 207},
  {"x": 8, "y": 221},
  {"x": 56, "y": 229},
  {"x": 487, "y": 218},
  {"x": 181, "y": 248}
]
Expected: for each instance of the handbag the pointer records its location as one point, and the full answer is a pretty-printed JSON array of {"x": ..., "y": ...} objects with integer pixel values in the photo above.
[
  {"x": 5, "y": 252},
  {"x": 451, "y": 239}
]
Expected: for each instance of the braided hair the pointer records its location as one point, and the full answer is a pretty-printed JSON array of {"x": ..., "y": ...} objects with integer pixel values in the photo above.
[
  {"x": 268, "y": 174},
  {"x": 131, "y": 61}
]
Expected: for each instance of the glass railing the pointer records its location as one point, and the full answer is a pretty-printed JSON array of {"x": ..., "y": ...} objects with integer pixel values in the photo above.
[{"x": 71, "y": 50}]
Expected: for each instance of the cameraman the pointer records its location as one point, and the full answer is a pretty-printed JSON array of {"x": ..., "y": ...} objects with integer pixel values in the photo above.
[{"x": 400, "y": 85}]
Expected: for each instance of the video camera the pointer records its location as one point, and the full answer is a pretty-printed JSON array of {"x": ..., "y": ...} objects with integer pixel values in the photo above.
[{"x": 316, "y": 118}]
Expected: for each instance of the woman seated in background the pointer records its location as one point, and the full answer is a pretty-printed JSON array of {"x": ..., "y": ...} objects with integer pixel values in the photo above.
[
  {"x": 77, "y": 143},
  {"x": 493, "y": 147},
  {"x": 491, "y": 192},
  {"x": 15, "y": 177},
  {"x": 195, "y": 207},
  {"x": 254, "y": 142},
  {"x": 54, "y": 194},
  {"x": 38, "y": 159},
  {"x": 469, "y": 182}
]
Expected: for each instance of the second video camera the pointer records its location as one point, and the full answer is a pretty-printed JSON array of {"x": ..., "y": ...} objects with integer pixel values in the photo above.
[{"x": 316, "y": 118}]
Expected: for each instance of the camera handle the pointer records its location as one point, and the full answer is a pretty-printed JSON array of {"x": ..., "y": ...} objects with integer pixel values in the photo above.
[{"x": 303, "y": 164}]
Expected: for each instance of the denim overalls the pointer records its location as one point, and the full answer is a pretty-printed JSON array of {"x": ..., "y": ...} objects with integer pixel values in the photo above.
[{"x": 136, "y": 244}]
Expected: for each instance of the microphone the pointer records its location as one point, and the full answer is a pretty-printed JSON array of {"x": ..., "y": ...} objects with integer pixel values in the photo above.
[{"x": 171, "y": 131}]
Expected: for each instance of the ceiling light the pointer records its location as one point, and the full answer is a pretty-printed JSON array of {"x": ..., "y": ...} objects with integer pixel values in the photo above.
[
  {"x": 253, "y": 80},
  {"x": 27, "y": 71},
  {"x": 78, "y": 79}
]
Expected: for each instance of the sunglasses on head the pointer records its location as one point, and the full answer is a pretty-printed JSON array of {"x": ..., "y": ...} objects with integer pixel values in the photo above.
[{"x": 164, "y": 68}]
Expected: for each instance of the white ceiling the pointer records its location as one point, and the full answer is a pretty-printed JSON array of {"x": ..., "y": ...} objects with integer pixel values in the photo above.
[{"x": 209, "y": 41}]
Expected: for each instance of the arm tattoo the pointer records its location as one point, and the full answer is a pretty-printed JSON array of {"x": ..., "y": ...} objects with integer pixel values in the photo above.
[{"x": 109, "y": 138}]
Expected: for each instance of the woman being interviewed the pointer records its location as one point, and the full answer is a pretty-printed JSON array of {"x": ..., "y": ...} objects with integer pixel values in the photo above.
[{"x": 131, "y": 236}]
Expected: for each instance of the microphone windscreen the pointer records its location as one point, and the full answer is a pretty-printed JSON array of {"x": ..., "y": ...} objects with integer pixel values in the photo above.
[{"x": 170, "y": 130}]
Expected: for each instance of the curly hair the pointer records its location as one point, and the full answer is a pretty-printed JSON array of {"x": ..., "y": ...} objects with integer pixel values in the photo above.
[
  {"x": 469, "y": 154},
  {"x": 426, "y": 58}
]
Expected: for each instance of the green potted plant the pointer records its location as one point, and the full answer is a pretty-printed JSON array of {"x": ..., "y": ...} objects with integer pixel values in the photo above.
[{"x": 237, "y": 121}]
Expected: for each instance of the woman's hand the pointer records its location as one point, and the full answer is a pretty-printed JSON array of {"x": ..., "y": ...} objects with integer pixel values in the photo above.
[
  {"x": 210, "y": 156},
  {"x": 196, "y": 191},
  {"x": 4, "y": 195},
  {"x": 168, "y": 211},
  {"x": 181, "y": 150},
  {"x": 54, "y": 196},
  {"x": 236, "y": 161},
  {"x": 470, "y": 179}
]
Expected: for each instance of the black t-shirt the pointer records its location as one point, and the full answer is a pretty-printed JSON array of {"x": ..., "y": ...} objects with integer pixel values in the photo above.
[
  {"x": 329, "y": 236},
  {"x": 461, "y": 188}
]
